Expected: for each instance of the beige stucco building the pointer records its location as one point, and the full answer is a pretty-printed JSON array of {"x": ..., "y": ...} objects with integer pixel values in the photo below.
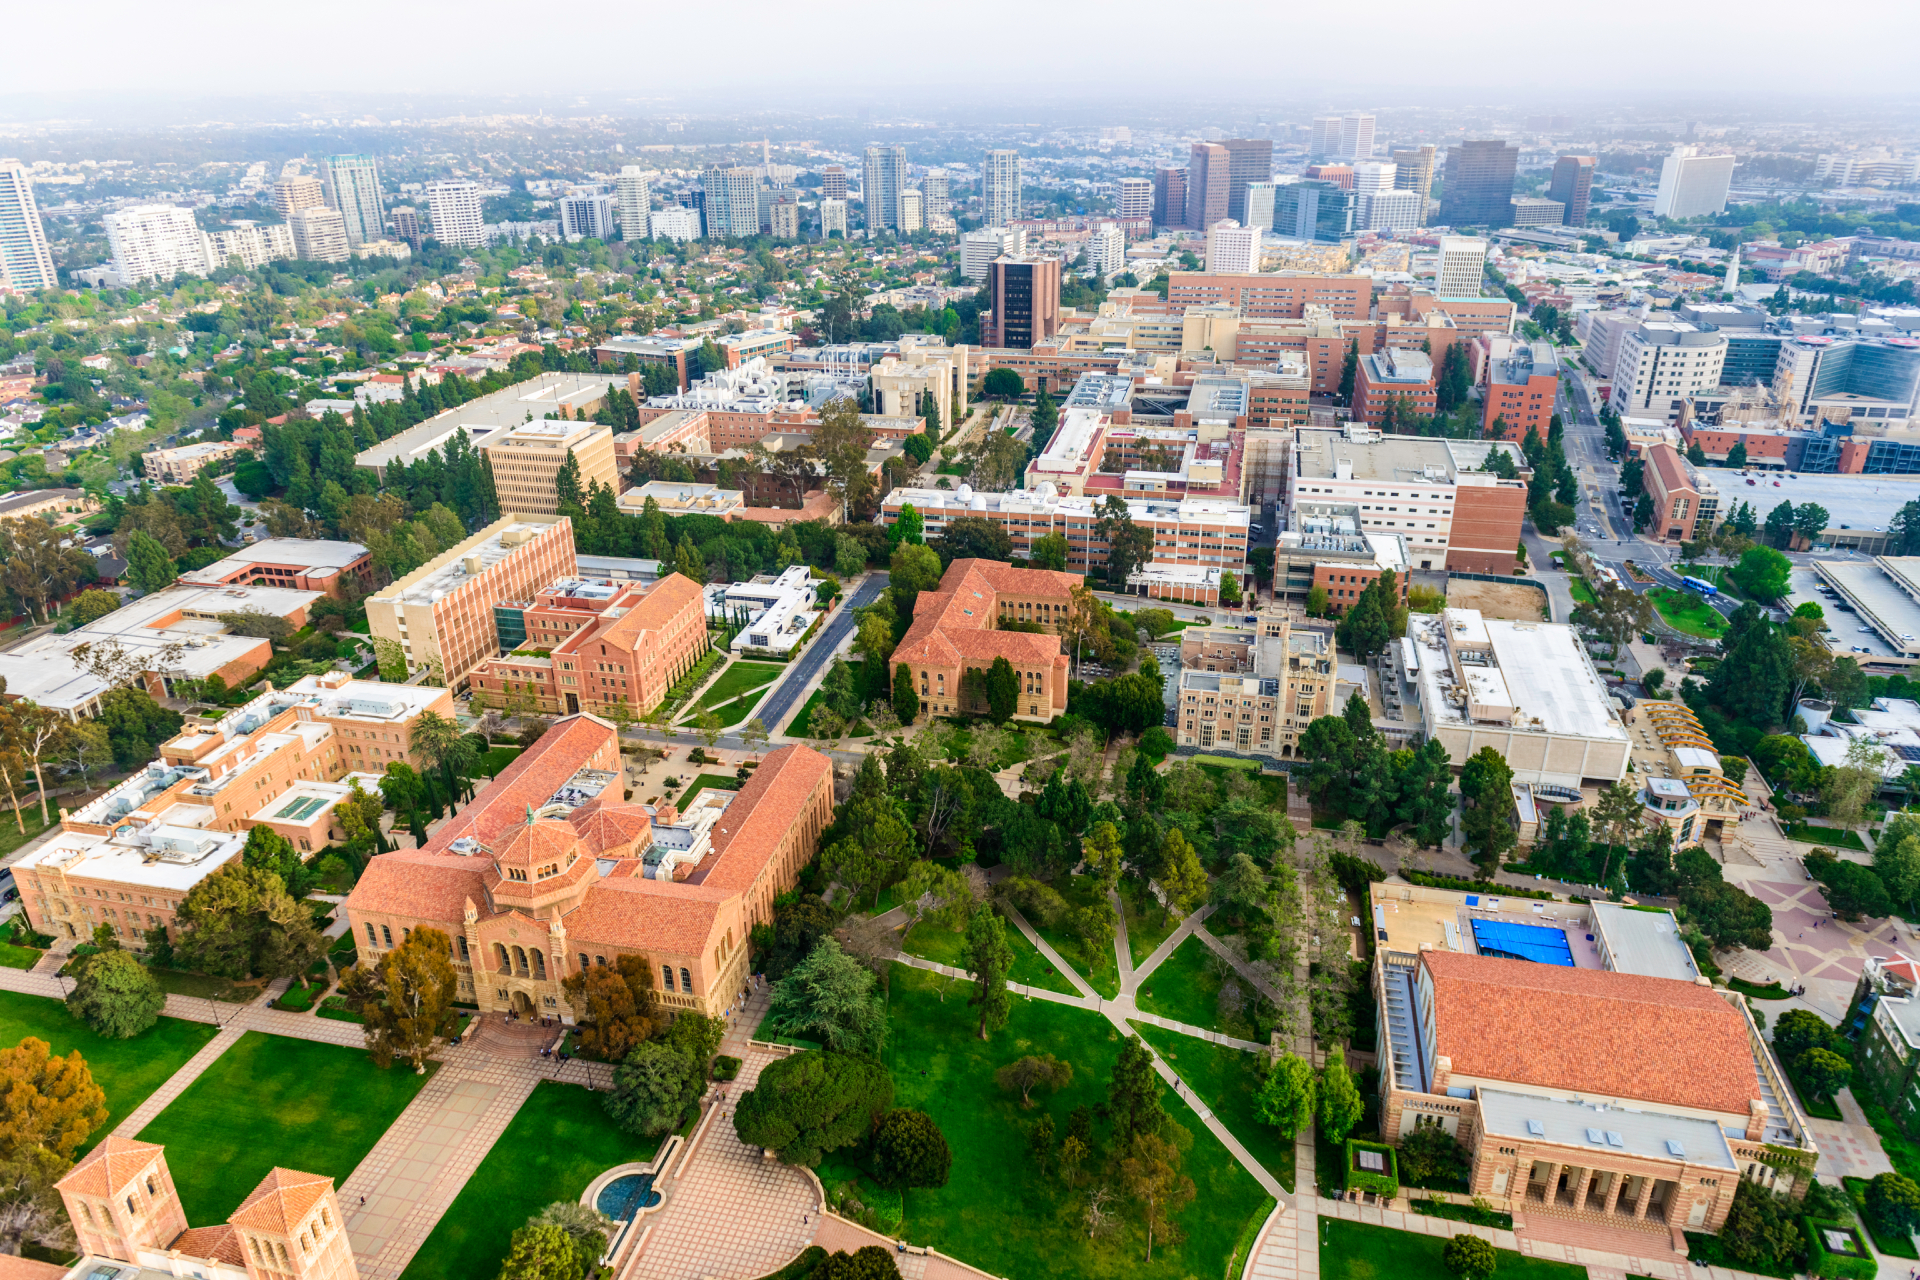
[
  {"x": 1255, "y": 689},
  {"x": 525, "y": 459}
]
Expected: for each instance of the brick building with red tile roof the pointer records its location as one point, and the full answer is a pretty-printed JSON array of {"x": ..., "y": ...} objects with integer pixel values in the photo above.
[
  {"x": 550, "y": 870},
  {"x": 956, "y": 629}
]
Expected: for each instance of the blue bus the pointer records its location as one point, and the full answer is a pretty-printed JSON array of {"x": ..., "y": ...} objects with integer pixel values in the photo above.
[{"x": 1701, "y": 585}]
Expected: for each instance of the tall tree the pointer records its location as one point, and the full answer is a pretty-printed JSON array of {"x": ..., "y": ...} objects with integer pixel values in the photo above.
[
  {"x": 240, "y": 922},
  {"x": 989, "y": 956},
  {"x": 406, "y": 997}
]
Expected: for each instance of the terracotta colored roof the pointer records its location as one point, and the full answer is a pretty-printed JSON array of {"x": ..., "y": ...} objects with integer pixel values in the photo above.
[
  {"x": 421, "y": 885},
  {"x": 955, "y": 623},
  {"x": 527, "y": 846},
  {"x": 656, "y": 609},
  {"x": 1591, "y": 1032},
  {"x": 110, "y": 1166},
  {"x": 650, "y": 915},
  {"x": 216, "y": 1244},
  {"x": 749, "y": 832},
  {"x": 613, "y": 827},
  {"x": 1666, "y": 460},
  {"x": 1026, "y": 582},
  {"x": 282, "y": 1201},
  {"x": 17, "y": 1268},
  {"x": 530, "y": 780}
]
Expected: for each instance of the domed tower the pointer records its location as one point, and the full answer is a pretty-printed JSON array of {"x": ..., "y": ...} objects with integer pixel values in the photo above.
[{"x": 539, "y": 869}]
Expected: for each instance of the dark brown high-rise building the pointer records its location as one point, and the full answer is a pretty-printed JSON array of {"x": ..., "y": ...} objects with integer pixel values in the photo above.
[
  {"x": 1169, "y": 197},
  {"x": 1572, "y": 186},
  {"x": 1248, "y": 160},
  {"x": 1479, "y": 188},
  {"x": 1026, "y": 301},
  {"x": 1209, "y": 182}
]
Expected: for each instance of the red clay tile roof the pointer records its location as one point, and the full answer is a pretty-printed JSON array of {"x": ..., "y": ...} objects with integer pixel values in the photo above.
[
  {"x": 530, "y": 780},
  {"x": 955, "y": 623},
  {"x": 650, "y": 915},
  {"x": 749, "y": 832},
  {"x": 282, "y": 1201},
  {"x": 421, "y": 885},
  {"x": 547, "y": 840},
  {"x": 17, "y": 1268},
  {"x": 656, "y": 609},
  {"x": 1591, "y": 1031},
  {"x": 110, "y": 1166},
  {"x": 218, "y": 1244},
  {"x": 613, "y": 828}
]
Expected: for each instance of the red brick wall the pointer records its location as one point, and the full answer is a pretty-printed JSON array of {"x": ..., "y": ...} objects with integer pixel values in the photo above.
[{"x": 1486, "y": 528}]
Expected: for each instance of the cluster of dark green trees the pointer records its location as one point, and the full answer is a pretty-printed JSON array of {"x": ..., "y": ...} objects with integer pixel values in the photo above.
[
  {"x": 1553, "y": 491},
  {"x": 1353, "y": 774}
]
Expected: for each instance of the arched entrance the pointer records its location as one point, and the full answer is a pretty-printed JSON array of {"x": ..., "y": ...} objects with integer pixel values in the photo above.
[{"x": 523, "y": 1004}]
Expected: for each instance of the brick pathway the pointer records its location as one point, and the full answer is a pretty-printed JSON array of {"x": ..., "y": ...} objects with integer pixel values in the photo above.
[{"x": 156, "y": 1102}]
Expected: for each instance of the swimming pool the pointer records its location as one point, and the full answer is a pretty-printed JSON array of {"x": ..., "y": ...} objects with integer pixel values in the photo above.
[{"x": 626, "y": 1195}]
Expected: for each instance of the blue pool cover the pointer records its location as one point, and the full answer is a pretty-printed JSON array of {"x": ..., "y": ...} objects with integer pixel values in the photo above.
[{"x": 1534, "y": 942}]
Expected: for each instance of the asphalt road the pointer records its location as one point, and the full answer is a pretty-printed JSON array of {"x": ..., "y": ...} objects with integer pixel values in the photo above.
[{"x": 800, "y": 673}]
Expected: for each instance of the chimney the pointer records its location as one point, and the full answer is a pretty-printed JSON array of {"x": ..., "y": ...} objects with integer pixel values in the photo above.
[{"x": 1442, "y": 1071}]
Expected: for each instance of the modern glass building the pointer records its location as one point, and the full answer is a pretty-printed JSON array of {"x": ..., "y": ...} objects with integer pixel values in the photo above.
[{"x": 1315, "y": 210}]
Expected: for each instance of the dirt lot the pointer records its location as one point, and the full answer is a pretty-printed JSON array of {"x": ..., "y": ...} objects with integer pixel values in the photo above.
[{"x": 1508, "y": 600}]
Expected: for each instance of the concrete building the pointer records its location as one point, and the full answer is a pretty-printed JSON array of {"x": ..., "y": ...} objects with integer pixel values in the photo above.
[
  {"x": 1829, "y": 378},
  {"x": 779, "y": 610},
  {"x": 1284, "y": 295},
  {"x": 1391, "y": 211},
  {"x": 913, "y": 212},
  {"x": 1413, "y": 171},
  {"x": 1325, "y": 545},
  {"x": 954, "y": 636},
  {"x": 884, "y": 178},
  {"x": 26, "y": 263},
  {"x": 320, "y": 235},
  {"x": 1692, "y": 184},
  {"x": 783, "y": 220},
  {"x": 634, "y": 200},
  {"x": 1209, "y": 185},
  {"x": 1000, "y": 200},
  {"x": 1400, "y": 374},
  {"x": 1170, "y": 198},
  {"x": 251, "y": 244},
  {"x": 587, "y": 217},
  {"x": 1106, "y": 249},
  {"x": 1686, "y": 505},
  {"x": 303, "y": 564},
  {"x": 1436, "y": 494},
  {"x": 833, "y": 182},
  {"x": 1572, "y": 186},
  {"x": 1254, "y": 689},
  {"x": 979, "y": 248},
  {"x": 297, "y": 191},
  {"x": 1025, "y": 295},
  {"x": 352, "y": 185},
  {"x": 1521, "y": 390},
  {"x": 1463, "y": 266},
  {"x": 1479, "y": 184},
  {"x": 937, "y": 190},
  {"x": 1681, "y": 783},
  {"x": 1134, "y": 199},
  {"x": 454, "y": 208},
  {"x": 1233, "y": 249},
  {"x": 526, "y": 460},
  {"x": 1663, "y": 363},
  {"x": 1356, "y": 135},
  {"x": 442, "y": 614},
  {"x": 573, "y": 396},
  {"x": 550, "y": 871},
  {"x": 1535, "y": 211},
  {"x": 681, "y": 224},
  {"x": 154, "y": 242},
  {"x": 1261, "y": 206},
  {"x": 733, "y": 202},
  {"x": 1249, "y": 160},
  {"x": 181, "y": 465},
  {"x": 1324, "y": 137}
]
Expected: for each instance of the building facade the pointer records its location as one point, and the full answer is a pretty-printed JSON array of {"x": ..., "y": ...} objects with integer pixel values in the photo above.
[
  {"x": 1685, "y": 504},
  {"x": 1479, "y": 184},
  {"x": 1572, "y": 186},
  {"x": 320, "y": 235},
  {"x": 526, "y": 461},
  {"x": 1692, "y": 184},
  {"x": 955, "y": 638},
  {"x": 1209, "y": 184},
  {"x": 453, "y": 207},
  {"x": 352, "y": 185},
  {"x": 883, "y": 180},
  {"x": 1254, "y": 690},
  {"x": 154, "y": 242},
  {"x": 1000, "y": 200},
  {"x": 1025, "y": 294},
  {"x": 26, "y": 263},
  {"x": 1521, "y": 390}
]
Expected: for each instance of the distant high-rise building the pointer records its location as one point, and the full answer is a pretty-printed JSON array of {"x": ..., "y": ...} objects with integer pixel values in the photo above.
[
  {"x": 154, "y": 242},
  {"x": 1572, "y": 186},
  {"x": 1106, "y": 249},
  {"x": 589, "y": 216},
  {"x": 1463, "y": 263},
  {"x": 883, "y": 179},
  {"x": 678, "y": 224},
  {"x": 1000, "y": 188},
  {"x": 1392, "y": 210},
  {"x": 634, "y": 197},
  {"x": 1248, "y": 160},
  {"x": 913, "y": 212},
  {"x": 1692, "y": 184},
  {"x": 1232, "y": 249},
  {"x": 1413, "y": 169},
  {"x": 1209, "y": 184},
  {"x": 1340, "y": 175},
  {"x": 1170, "y": 197},
  {"x": 1315, "y": 210},
  {"x": 352, "y": 185},
  {"x": 1356, "y": 135},
  {"x": 1535, "y": 211},
  {"x": 295, "y": 192},
  {"x": 979, "y": 248},
  {"x": 833, "y": 183},
  {"x": 1135, "y": 199},
  {"x": 1260, "y": 198},
  {"x": 937, "y": 191},
  {"x": 1324, "y": 137},
  {"x": 833, "y": 218},
  {"x": 453, "y": 207},
  {"x": 783, "y": 219},
  {"x": 732, "y": 201},
  {"x": 1479, "y": 190},
  {"x": 406, "y": 224},
  {"x": 320, "y": 235},
  {"x": 252, "y": 244},
  {"x": 25, "y": 260},
  {"x": 1370, "y": 176},
  {"x": 1025, "y": 293}
]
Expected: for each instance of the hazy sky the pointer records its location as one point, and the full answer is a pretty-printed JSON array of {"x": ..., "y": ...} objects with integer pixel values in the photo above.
[{"x": 710, "y": 57}]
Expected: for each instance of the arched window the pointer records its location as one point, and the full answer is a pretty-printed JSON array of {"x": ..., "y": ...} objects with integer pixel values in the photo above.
[
  {"x": 583, "y": 962},
  {"x": 386, "y": 934},
  {"x": 152, "y": 1190},
  {"x": 132, "y": 1208},
  {"x": 666, "y": 975},
  {"x": 500, "y": 954},
  {"x": 461, "y": 942},
  {"x": 540, "y": 965},
  {"x": 686, "y": 982},
  {"x": 520, "y": 961},
  {"x": 371, "y": 940}
]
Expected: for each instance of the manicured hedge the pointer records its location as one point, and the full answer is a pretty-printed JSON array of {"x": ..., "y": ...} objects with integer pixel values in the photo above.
[
  {"x": 1385, "y": 1184},
  {"x": 1837, "y": 1266}
]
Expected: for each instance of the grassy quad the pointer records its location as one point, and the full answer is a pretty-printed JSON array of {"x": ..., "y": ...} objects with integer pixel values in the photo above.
[
  {"x": 1228, "y": 1080},
  {"x": 273, "y": 1101},
  {"x": 1148, "y": 925},
  {"x": 1182, "y": 988},
  {"x": 1356, "y": 1251},
  {"x": 558, "y": 1143},
  {"x": 998, "y": 1213},
  {"x": 945, "y": 946},
  {"x": 1096, "y": 964},
  {"x": 128, "y": 1070},
  {"x": 1689, "y": 613}
]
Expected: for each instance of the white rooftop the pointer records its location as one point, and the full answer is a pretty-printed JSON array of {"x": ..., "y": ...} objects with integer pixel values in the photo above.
[
  {"x": 1540, "y": 673},
  {"x": 318, "y": 556}
]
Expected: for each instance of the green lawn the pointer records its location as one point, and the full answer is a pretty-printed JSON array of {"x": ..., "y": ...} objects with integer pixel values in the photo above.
[
  {"x": 12, "y": 837},
  {"x": 13, "y": 957},
  {"x": 944, "y": 946},
  {"x": 558, "y": 1143},
  {"x": 1096, "y": 966},
  {"x": 273, "y": 1101},
  {"x": 128, "y": 1070},
  {"x": 1688, "y": 613},
  {"x": 996, "y": 1212},
  {"x": 1228, "y": 1080},
  {"x": 734, "y": 712},
  {"x": 724, "y": 781},
  {"x": 1227, "y": 762},
  {"x": 1181, "y": 988},
  {"x": 1581, "y": 592},
  {"x": 738, "y": 679},
  {"x": 803, "y": 719},
  {"x": 1356, "y": 1251},
  {"x": 1147, "y": 927},
  {"x": 495, "y": 759}
]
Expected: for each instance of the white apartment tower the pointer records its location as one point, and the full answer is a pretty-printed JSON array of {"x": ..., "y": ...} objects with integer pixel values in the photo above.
[
  {"x": 1232, "y": 249},
  {"x": 936, "y": 189},
  {"x": 1106, "y": 249},
  {"x": 1463, "y": 263},
  {"x": 320, "y": 235},
  {"x": 833, "y": 218},
  {"x": 979, "y": 248},
  {"x": 1394, "y": 210},
  {"x": 675, "y": 222},
  {"x": 1356, "y": 135},
  {"x": 883, "y": 181},
  {"x": 913, "y": 212},
  {"x": 1663, "y": 363},
  {"x": 1692, "y": 184},
  {"x": 635, "y": 200},
  {"x": 1324, "y": 140},
  {"x": 1370, "y": 176},
  {"x": 252, "y": 244},
  {"x": 1000, "y": 188},
  {"x": 1136, "y": 198},
  {"x": 589, "y": 216},
  {"x": 1260, "y": 202},
  {"x": 454, "y": 209},
  {"x": 733, "y": 201},
  {"x": 25, "y": 260},
  {"x": 297, "y": 191},
  {"x": 352, "y": 185},
  {"x": 154, "y": 242}
]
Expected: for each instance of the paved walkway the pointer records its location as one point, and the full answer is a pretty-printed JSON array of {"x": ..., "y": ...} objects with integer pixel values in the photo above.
[{"x": 176, "y": 1084}]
